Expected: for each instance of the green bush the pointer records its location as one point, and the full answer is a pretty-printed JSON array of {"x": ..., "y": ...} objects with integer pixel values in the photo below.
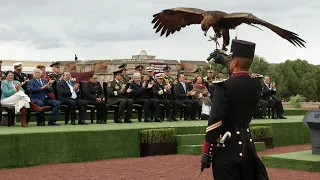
[
  {"x": 157, "y": 135},
  {"x": 295, "y": 101},
  {"x": 261, "y": 131}
]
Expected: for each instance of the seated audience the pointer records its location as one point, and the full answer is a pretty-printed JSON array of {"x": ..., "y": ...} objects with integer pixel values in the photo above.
[
  {"x": 68, "y": 94},
  {"x": 268, "y": 92},
  {"x": 261, "y": 109},
  {"x": 13, "y": 95},
  {"x": 116, "y": 91},
  {"x": 39, "y": 90},
  {"x": 162, "y": 92},
  {"x": 140, "y": 95},
  {"x": 183, "y": 94},
  {"x": 93, "y": 94},
  {"x": 202, "y": 95}
]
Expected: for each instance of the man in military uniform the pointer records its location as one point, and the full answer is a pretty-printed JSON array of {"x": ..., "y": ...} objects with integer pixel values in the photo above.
[
  {"x": 162, "y": 92},
  {"x": 168, "y": 79},
  {"x": 116, "y": 90},
  {"x": 55, "y": 76},
  {"x": 126, "y": 77},
  {"x": 233, "y": 104},
  {"x": 21, "y": 77},
  {"x": 139, "y": 69}
]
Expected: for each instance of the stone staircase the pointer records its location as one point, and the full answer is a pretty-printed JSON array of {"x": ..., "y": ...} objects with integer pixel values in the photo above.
[{"x": 192, "y": 144}]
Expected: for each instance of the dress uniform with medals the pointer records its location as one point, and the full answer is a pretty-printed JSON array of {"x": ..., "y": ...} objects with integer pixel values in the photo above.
[
  {"x": 54, "y": 76},
  {"x": 168, "y": 79},
  {"x": 19, "y": 76},
  {"x": 126, "y": 77},
  {"x": 115, "y": 96},
  {"x": 228, "y": 142},
  {"x": 163, "y": 96}
]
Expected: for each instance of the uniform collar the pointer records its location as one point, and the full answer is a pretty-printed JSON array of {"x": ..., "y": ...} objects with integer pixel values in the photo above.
[{"x": 240, "y": 73}]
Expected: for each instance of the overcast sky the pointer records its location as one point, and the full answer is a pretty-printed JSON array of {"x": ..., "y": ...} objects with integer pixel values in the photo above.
[{"x": 57, "y": 29}]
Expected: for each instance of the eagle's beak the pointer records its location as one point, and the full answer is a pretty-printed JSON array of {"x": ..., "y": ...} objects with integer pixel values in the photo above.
[{"x": 205, "y": 33}]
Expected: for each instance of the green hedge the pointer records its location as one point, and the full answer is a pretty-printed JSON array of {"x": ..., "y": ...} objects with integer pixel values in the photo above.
[
  {"x": 157, "y": 135},
  {"x": 261, "y": 131}
]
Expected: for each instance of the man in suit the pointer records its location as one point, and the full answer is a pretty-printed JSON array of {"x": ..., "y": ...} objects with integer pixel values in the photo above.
[
  {"x": 68, "y": 94},
  {"x": 233, "y": 104},
  {"x": 93, "y": 94},
  {"x": 140, "y": 95},
  {"x": 116, "y": 91},
  {"x": 20, "y": 76},
  {"x": 162, "y": 93},
  {"x": 268, "y": 92},
  {"x": 183, "y": 93},
  {"x": 39, "y": 90}
]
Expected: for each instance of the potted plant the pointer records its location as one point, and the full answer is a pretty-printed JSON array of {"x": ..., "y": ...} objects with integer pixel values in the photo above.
[
  {"x": 263, "y": 134},
  {"x": 157, "y": 142}
]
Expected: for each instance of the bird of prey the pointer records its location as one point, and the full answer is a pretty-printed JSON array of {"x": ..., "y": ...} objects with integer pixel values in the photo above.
[{"x": 171, "y": 20}]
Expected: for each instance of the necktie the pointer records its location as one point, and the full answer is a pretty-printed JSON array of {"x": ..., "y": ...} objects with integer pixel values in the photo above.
[{"x": 39, "y": 80}]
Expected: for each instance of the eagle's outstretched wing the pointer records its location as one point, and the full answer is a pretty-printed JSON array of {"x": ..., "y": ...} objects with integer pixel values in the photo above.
[
  {"x": 233, "y": 20},
  {"x": 172, "y": 20}
]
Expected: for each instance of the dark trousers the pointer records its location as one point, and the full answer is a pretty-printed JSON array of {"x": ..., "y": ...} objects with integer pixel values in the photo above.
[
  {"x": 276, "y": 106},
  {"x": 167, "y": 107},
  {"x": 72, "y": 104},
  {"x": 243, "y": 170},
  {"x": 151, "y": 107},
  {"x": 261, "y": 109},
  {"x": 125, "y": 104},
  {"x": 55, "y": 105},
  {"x": 101, "y": 109},
  {"x": 191, "y": 110}
]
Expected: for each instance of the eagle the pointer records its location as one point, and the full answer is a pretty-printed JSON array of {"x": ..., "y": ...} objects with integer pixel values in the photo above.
[{"x": 171, "y": 20}]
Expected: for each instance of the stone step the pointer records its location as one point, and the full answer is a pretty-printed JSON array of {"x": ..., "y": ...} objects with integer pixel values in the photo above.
[{"x": 197, "y": 149}]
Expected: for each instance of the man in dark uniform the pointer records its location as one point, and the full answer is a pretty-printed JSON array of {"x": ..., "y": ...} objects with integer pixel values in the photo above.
[
  {"x": 116, "y": 90},
  {"x": 126, "y": 77},
  {"x": 93, "y": 94},
  {"x": 168, "y": 79},
  {"x": 21, "y": 77},
  {"x": 162, "y": 93},
  {"x": 139, "y": 69},
  {"x": 56, "y": 76},
  {"x": 233, "y": 104}
]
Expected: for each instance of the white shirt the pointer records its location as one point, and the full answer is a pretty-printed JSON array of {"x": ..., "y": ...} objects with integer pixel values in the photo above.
[{"x": 73, "y": 93}]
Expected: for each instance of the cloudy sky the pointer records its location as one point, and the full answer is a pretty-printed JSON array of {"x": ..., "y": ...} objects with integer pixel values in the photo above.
[{"x": 57, "y": 29}]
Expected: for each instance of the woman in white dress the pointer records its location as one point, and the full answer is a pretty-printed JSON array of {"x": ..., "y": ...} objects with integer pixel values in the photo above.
[{"x": 13, "y": 95}]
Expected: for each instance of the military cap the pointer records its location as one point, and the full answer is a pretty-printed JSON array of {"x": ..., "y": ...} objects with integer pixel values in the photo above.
[
  {"x": 54, "y": 64},
  {"x": 119, "y": 72},
  {"x": 197, "y": 71},
  {"x": 242, "y": 48},
  {"x": 166, "y": 69},
  {"x": 17, "y": 65},
  {"x": 123, "y": 66},
  {"x": 139, "y": 67},
  {"x": 160, "y": 76},
  {"x": 149, "y": 68}
]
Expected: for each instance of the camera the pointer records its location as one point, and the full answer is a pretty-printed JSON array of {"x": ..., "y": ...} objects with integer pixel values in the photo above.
[{"x": 220, "y": 57}]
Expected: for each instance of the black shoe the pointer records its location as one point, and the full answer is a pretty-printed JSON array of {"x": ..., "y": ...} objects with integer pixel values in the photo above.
[
  {"x": 194, "y": 118},
  {"x": 157, "y": 119},
  {"x": 53, "y": 123},
  {"x": 282, "y": 117},
  {"x": 274, "y": 117},
  {"x": 101, "y": 122},
  {"x": 118, "y": 120},
  {"x": 73, "y": 122},
  {"x": 42, "y": 124},
  {"x": 174, "y": 119},
  {"x": 147, "y": 120},
  {"x": 169, "y": 119},
  {"x": 82, "y": 122}
]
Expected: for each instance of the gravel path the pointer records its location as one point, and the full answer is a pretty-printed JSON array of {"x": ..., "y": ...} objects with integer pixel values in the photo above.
[{"x": 172, "y": 167}]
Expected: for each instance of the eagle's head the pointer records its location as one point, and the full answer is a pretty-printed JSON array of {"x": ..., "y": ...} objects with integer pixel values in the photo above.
[{"x": 206, "y": 23}]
